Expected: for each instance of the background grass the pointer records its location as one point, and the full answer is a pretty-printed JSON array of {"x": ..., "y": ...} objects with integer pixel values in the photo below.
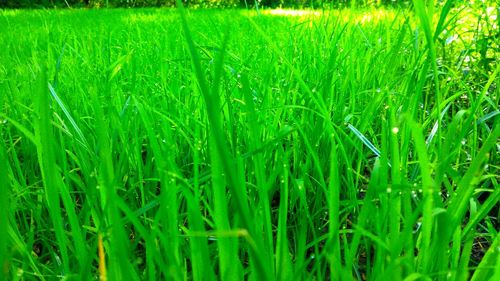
[{"x": 231, "y": 145}]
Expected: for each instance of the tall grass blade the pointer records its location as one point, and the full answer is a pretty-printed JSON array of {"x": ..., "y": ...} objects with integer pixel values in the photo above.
[
  {"x": 212, "y": 103},
  {"x": 77, "y": 129},
  {"x": 46, "y": 159},
  {"x": 425, "y": 14},
  {"x": 429, "y": 191},
  {"x": 5, "y": 198},
  {"x": 364, "y": 140}
]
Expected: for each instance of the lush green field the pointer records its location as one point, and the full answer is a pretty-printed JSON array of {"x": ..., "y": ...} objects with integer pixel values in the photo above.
[{"x": 231, "y": 145}]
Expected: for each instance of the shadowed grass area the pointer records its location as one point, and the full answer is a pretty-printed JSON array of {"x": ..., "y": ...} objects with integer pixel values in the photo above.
[{"x": 159, "y": 144}]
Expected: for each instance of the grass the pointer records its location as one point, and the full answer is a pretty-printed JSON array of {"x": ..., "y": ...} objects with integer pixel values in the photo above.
[{"x": 234, "y": 145}]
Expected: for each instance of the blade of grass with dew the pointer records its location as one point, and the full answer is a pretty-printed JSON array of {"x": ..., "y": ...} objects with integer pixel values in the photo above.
[
  {"x": 77, "y": 129},
  {"x": 212, "y": 105},
  {"x": 462, "y": 271},
  {"x": 353, "y": 248},
  {"x": 334, "y": 186},
  {"x": 63, "y": 187},
  {"x": 77, "y": 232},
  {"x": 284, "y": 267},
  {"x": 114, "y": 237},
  {"x": 254, "y": 139},
  {"x": 307, "y": 223},
  {"x": 230, "y": 265},
  {"x": 425, "y": 15},
  {"x": 200, "y": 258},
  {"x": 424, "y": 258},
  {"x": 197, "y": 217},
  {"x": 168, "y": 197},
  {"x": 306, "y": 228},
  {"x": 47, "y": 163},
  {"x": 395, "y": 201}
]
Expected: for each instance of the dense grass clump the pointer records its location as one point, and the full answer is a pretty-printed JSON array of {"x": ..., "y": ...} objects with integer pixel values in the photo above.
[{"x": 234, "y": 145}]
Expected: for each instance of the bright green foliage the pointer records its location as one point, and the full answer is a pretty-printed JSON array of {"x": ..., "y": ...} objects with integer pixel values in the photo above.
[{"x": 245, "y": 145}]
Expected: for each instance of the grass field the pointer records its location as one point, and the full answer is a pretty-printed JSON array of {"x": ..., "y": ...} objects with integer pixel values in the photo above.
[{"x": 235, "y": 145}]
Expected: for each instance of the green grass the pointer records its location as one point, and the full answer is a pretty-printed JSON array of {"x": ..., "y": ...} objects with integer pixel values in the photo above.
[{"x": 236, "y": 145}]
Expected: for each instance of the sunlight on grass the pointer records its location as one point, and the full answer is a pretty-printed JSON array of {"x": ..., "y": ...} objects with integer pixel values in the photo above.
[
  {"x": 291, "y": 13},
  {"x": 7, "y": 12},
  {"x": 362, "y": 17},
  {"x": 375, "y": 17}
]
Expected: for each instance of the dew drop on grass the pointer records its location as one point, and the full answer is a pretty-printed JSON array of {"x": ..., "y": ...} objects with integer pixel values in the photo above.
[
  {"x": 389, "y": 190},
  {"x": 417, "y": 227},
  {"x": 395, "y": 130}
]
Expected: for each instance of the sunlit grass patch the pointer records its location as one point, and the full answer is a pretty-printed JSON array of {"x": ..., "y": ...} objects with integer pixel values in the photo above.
[{"x": 291, "y": 13}]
